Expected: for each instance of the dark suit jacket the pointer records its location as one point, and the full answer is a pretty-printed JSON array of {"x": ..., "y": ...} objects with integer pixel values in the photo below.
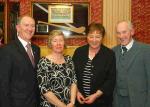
[
  {"x": 104, "y": 70},
  {"x": 18, "y": 83}
]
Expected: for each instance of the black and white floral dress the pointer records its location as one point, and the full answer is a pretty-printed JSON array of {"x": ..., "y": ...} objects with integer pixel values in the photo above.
[{"x": 56, "y": 78}]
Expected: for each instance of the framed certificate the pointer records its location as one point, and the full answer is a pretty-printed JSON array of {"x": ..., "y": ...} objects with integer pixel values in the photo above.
[{"x": 60, "y": 13}]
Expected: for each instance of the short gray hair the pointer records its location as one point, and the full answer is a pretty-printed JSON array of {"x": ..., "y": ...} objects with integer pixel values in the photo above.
[
  {"x": 130, "y": 24},
  {"x": 20, "y": 18}
]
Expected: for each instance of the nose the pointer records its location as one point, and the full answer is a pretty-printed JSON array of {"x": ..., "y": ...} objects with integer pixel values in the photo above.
[
  {"x": 58, "y": 43},
  {"x": 94, "y": 38},
  {"x": 120, "y": 35}
]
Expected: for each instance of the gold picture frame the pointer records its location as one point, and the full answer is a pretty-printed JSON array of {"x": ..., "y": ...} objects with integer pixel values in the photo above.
[{"x": 60, "y": 13}]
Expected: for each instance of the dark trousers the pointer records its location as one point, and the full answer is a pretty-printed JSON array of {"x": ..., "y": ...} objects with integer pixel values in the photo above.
[{"x": 93, "y": 105}]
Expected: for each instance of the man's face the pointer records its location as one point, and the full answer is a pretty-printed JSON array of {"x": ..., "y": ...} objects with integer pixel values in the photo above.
[
  {"x": 124, "y": 34},
  {"x": 26, "y": 28}
]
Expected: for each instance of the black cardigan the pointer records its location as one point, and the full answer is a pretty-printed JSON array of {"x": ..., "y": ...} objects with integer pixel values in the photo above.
[{"x": 104, "y": 71}]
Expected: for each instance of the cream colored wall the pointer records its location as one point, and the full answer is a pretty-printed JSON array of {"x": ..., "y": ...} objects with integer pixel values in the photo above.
[
  {"x": 68, "y": 51},
  {"x": 114, "y": 11}
]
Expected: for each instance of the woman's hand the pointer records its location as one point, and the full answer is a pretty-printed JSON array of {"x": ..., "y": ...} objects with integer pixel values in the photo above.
[
  {"x": 70, "y": 105},
  {"x": 80, "y": 98},
  {"x": 90, "y": 99},
  {"x": 62, "y": 105}
]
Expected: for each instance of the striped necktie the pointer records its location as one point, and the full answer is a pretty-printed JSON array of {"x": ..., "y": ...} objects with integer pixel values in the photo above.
[{"x": 29, "y": 52}]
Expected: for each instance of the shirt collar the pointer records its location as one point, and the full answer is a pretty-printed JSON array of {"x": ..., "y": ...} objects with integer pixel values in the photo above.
[
  {"x": 129, "y": 45},
  {"x": 23, "y": 42}
]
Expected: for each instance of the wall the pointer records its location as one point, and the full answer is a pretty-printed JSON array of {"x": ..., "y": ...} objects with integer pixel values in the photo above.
[
  {"x": 138, "y": 11},
  {"x": 96, "y": 7},
  {"x": 95, "y": 13},
  {"x": 114, "y": 11},
  {"x": 96, "y": 16},
  {"x": 101, "y": 12},
  {"x": 141, "y": 19},
  {"x": 9, "y": 0}
]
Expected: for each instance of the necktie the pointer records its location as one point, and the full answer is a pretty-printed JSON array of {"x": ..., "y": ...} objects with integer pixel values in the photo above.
[
  {"x": 29, "y": 52},
  {"x": 124, "y": 49}
]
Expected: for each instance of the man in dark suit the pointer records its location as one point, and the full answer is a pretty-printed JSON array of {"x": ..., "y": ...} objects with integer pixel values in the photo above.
[
  {"x": 133, "y": 69},
  {"x": 18, "y": 83}
]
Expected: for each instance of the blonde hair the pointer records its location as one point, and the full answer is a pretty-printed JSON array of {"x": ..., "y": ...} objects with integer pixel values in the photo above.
[{"x": 54, "y": 33}]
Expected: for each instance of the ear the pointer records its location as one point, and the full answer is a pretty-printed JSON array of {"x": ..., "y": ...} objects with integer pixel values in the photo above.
[
  {"x": 132, "y": 32},
  {"x": 17, "y": 27}
]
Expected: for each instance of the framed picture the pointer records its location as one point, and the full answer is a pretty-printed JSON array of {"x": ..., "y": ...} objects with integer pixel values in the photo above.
[
  {"x": 60, "y": 13},
  {"x": 72, "y": 18},
  {"x": 41, "y": 28}
]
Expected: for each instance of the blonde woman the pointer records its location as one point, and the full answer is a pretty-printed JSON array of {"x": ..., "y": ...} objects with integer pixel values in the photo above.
[{"x": 56, "y": 75}]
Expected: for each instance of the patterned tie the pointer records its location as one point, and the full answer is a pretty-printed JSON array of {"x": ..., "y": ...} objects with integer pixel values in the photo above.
[
  {"x": 124, "y": 49},
  {"x": 29, "y": 52}
]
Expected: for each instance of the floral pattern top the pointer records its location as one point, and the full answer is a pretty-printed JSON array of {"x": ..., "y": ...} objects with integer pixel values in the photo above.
[{"x": 56, "y": 78}]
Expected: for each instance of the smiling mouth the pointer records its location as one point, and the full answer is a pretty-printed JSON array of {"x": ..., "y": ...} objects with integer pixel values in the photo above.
[
  {"x": 94, "y": 43},
  {"x": 122, "y": 40},
  {"x": 59, "y": 47}
]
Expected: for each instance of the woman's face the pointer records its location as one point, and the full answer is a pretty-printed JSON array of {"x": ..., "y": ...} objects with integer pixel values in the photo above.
[
  {"x": 94, "y": 39},
  {"x": 57, "y": 44}
]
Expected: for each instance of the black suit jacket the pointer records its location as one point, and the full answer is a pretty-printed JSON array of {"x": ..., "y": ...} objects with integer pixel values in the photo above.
[
  {"x": 104, "y": 71},
  {"x": 18, "y": 83}
]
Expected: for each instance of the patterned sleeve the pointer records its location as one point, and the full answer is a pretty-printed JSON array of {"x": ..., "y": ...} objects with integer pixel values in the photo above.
[
  {"x": 42, "y": 76},
  {"x": 71, "y": 66}
]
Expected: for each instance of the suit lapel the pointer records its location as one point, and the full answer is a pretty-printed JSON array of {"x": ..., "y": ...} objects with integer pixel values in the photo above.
[
  {"x": 23, "y": 52},
  {"x": 131, "y": 54},
  {"x": 118, "y": 53}
]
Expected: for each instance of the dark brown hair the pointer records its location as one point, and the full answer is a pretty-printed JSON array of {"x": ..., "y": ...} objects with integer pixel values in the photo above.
[{"x": 96, "y": 27}]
